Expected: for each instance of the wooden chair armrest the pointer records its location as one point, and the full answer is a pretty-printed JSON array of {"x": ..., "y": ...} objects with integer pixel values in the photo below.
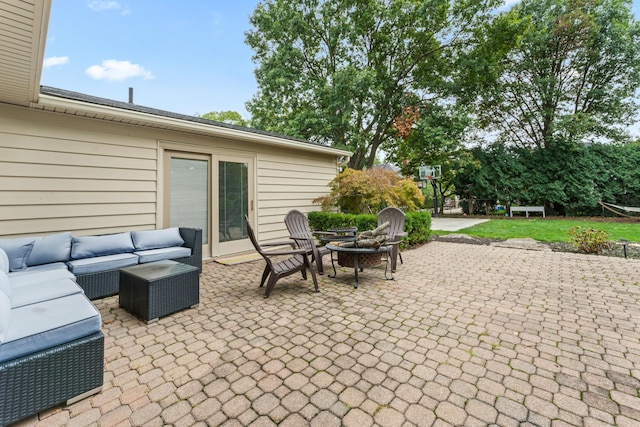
[
  {"x": 299, "y": 237},
  {"x": 282, "y": 243},
  {"x": 292, "y": 252}
]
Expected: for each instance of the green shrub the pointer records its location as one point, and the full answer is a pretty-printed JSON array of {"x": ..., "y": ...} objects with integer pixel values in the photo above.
[
  {"x": 589, "y": 240},
  {"x": 418, "y": 227},
  {"x": 322, "y": 221},
  {"x": 417, "y": 224},
  {"x": 359, "y": 191}
]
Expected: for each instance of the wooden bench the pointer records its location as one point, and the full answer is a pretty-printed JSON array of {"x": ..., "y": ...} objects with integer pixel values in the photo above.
[{"x": 526, "y": 210}]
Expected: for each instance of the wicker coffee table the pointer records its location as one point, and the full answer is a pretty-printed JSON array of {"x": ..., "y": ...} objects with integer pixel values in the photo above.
[
  {"x": 159, "y": 288},
  {"x": 358, "y": 258}
]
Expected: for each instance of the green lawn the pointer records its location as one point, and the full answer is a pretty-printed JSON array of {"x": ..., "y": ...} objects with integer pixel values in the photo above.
[{"x": 549, "y": 230}]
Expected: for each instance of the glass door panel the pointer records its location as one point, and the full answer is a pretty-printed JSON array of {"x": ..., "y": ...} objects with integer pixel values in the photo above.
[
  {"x": 187, "y": 194},
  {"x": 234, "y": 202}
]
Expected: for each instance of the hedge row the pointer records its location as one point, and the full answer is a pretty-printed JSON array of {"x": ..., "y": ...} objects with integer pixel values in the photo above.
[{"x": 417, "y": 224}]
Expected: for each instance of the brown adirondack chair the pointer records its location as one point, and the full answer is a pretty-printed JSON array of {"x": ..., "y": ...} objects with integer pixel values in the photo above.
[
  {"x": 299, "y": 231},
  {"x": 274, "y": 270},
  {"x": 396, "y": 219}
]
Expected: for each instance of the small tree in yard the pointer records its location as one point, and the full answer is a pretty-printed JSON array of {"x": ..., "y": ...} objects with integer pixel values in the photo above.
[{"x": 368, "y": 191}]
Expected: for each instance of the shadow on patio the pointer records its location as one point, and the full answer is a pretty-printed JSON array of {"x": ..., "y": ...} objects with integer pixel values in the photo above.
[{"x": 464, "y": 335}]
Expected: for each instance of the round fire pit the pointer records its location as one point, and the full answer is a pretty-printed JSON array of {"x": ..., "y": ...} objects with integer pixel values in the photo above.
[{"x": 346, "y": 259}]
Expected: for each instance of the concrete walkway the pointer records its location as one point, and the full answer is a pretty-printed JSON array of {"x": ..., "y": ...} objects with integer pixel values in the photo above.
[
  {"x": 466, "y": 335},
  {"x": 443, "y": 223}
]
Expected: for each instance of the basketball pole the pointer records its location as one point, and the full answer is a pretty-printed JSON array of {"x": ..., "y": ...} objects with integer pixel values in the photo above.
[{"x": 435, "y": 197}]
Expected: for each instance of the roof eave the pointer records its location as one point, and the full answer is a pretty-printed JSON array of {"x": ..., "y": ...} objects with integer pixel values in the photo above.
[{"x": 77, "y": 108}]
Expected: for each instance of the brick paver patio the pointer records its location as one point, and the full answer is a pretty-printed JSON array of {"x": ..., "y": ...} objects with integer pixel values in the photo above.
[{"x": 466, "y": 335}]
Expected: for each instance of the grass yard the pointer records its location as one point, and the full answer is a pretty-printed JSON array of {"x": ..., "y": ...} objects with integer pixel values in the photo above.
[{"x": 551, "y": 230}]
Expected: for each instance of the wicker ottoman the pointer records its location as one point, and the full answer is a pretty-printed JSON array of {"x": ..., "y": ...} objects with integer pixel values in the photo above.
[{"x": 159, "y": 288}]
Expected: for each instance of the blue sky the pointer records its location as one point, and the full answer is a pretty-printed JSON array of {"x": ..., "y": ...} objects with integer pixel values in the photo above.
[{"x": 185, "y": 56}]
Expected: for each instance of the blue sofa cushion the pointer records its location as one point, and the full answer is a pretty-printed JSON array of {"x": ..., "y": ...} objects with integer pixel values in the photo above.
[
  {"x": 157, "y": 239},
  {"x": 161, "y": 254},
  {"x": 4, "y": 261},
  {"x": 17, "y": 280},
  {"x": 43, "y": 291},
  {"x": 39, "y": 269},
  {"x": 102, "y": 263},
  {"x": 93, "y": 246},
  {"x": 18, "y": 251},
  {"x": 49, "y": 249},
  {"x": 5, "y": 316},
  {"x": 42, "y": 325},
  {"x": 5, "y": 285}
]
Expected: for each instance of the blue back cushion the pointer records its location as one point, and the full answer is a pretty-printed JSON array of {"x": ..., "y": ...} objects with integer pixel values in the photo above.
[
  {"x": 18, "y": 251},
  {"x": 157, "y": 239},
  {"x": 109, "y": 244},
  {"x": 49, "y": 249},
  {"x": 4, "y": 261}
]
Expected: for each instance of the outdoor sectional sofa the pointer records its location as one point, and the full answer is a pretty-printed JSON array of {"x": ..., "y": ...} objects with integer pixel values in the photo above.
[{"x": 51, "y": 344}]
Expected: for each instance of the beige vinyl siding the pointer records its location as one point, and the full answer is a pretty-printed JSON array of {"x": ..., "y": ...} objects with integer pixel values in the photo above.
[
  {"x": 288, "y": 181},
  {"x": 65, "y": 173},
  {"x": 57, "y": 176}
]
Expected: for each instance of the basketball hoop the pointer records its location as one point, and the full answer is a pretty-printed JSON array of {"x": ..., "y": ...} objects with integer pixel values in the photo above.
[{"x": 430, "y": 172}]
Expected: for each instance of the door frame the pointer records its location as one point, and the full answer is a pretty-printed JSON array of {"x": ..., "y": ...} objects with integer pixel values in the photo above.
[
  {"x": 235, "y": 246},
  {"x": 214, "y": 155}
]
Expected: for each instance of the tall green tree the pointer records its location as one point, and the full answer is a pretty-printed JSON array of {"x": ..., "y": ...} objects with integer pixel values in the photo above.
[
  {"x": 436, "y": 137},
  {"x": 230, "y": 117},
  {"x": 556, "y": 70},
  {"x": 337, "y": 71}
]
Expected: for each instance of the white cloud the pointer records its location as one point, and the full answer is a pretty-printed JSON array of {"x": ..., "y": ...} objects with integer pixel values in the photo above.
[
  {"x": 55, "y": 60},
  {"x": 102, "y": 5},
  {"x": 114, "y": 70}
]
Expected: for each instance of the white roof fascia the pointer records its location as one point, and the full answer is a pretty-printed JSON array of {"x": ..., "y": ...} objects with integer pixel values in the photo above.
[
  {"x": 42, "y": 10},
  {"x": 73, "y": 107}
]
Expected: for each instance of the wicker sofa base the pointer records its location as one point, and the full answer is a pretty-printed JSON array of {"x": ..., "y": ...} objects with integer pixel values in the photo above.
[
  {"x": 99, "y": 285},
  {"x": 38, "y": 381},
  {"x": 107, "y": 283}
]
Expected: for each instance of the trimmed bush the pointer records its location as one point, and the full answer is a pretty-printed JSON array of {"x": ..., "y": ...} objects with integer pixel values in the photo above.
[
  {"x": 418, "y": 227},
  {"x": 417, "y": 224}
]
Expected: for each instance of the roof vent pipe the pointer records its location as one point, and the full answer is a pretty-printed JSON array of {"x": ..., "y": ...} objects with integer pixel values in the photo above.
[{"x": 130, "y": 95}]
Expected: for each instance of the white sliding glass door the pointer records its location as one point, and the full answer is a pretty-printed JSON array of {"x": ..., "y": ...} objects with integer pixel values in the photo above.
[{"x": 211, "y": 192}]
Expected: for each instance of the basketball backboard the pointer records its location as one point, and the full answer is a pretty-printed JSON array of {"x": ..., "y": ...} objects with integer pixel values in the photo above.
[{"x": 430, "y": 172}]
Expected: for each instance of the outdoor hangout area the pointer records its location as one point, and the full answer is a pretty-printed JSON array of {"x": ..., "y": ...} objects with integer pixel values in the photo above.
[
  {"x": 463, "y": 335},
  {"x": 385, "y": 224}
]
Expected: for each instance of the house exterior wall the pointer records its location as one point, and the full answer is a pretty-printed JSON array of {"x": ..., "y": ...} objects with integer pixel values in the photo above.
[{"x": 66, "y": 173}]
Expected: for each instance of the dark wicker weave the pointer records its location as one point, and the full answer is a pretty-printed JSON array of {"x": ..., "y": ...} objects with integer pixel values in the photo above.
[
  {"x": 159, "y": 288},
  {"x": 38, "y": 381},
  {"x": 101, "y": 284},
  {"x": 193, "y": 240},
  {"x": 106, "y": 283}
]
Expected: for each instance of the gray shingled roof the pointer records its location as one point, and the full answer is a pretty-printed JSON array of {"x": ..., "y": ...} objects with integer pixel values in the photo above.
[{"x": 76, "y": 96}]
